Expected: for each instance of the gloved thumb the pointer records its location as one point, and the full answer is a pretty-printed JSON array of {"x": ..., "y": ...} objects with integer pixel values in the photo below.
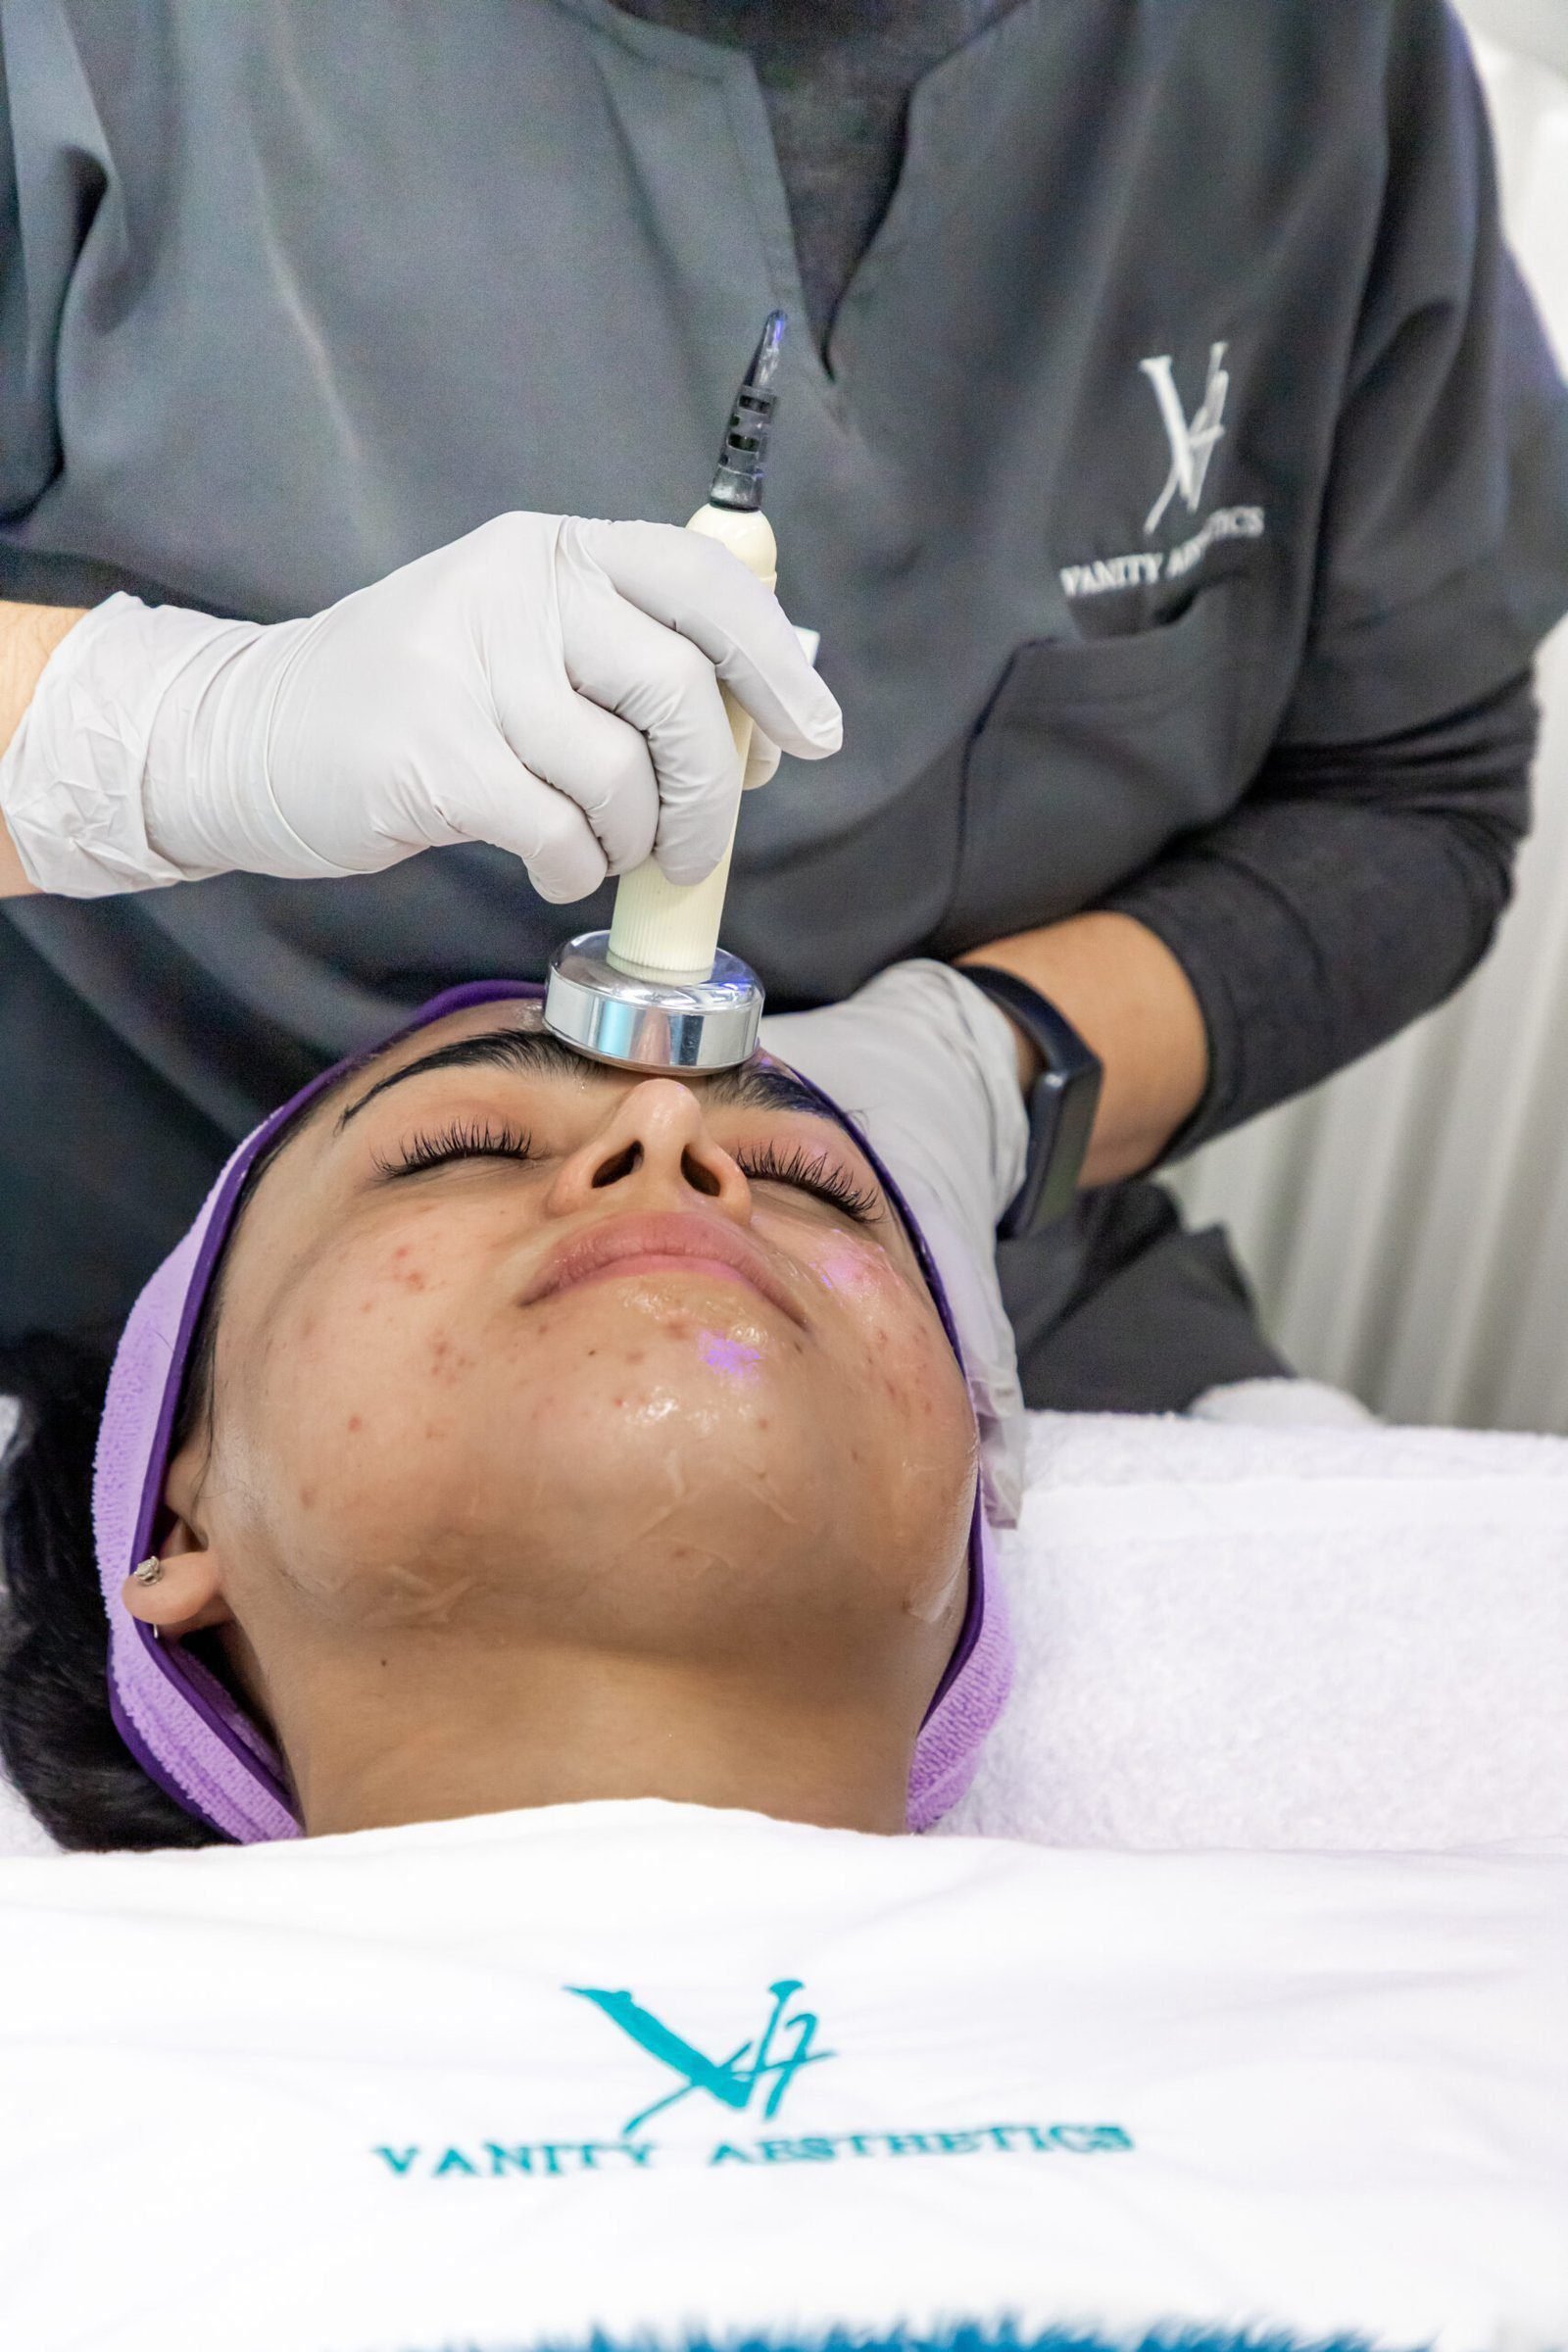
[{"x": 761, "y": 760}]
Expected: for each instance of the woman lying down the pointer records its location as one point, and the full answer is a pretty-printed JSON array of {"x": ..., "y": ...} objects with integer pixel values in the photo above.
[{"x": 542, "y": 1564}]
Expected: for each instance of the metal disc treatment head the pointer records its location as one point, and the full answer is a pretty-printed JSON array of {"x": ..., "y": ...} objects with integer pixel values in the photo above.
[{"x": 642, "y": 1022}]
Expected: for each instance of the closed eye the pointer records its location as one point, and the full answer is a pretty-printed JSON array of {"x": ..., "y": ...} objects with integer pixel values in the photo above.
[
  {"x": 814, "y": 1172},
  {"x": 474, "y": 1139}
]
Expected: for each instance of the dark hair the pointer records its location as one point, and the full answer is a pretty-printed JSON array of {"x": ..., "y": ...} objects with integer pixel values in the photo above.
[{"x": 58, "y": 1742}]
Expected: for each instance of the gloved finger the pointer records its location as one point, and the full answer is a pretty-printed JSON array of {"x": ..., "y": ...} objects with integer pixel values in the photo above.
[
  {"x": 695, "y": 585},
  {"x": 599, "y": 761},
  {"x": 761, "y": 761},
  {"x": 494, "y": 797},
  {"x": 987, "y": 1349},
  {"x": 657, "y": 682}
]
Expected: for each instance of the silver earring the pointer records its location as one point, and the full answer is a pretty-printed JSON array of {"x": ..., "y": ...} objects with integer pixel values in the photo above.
[{"x": 148, "y": 1571}]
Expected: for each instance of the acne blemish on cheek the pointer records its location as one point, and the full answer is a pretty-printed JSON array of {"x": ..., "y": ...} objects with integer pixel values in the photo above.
[
  {"x": 411, "y": 1277},
  {"x": 355, "y": 1422}
]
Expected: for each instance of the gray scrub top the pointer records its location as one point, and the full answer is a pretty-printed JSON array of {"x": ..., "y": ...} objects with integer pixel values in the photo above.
[{"x": 1183, "y": 402}]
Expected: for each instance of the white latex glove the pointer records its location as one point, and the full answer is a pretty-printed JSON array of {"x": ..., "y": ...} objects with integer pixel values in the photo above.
[
  {"x": 926, "y": 1066},
  {"x": 547, "y": 684},
  {"x": 764, "y": 755}
]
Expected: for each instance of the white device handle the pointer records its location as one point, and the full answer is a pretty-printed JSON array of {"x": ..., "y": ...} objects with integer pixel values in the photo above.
[{"x": 659, "y": 930}]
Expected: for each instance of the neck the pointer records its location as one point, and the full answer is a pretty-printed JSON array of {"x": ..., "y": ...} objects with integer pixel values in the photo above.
[{"x": 434, "y": 1733}]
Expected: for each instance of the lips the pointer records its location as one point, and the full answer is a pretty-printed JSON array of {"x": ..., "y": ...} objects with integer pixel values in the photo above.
[{"x": 660, "y": 1243}]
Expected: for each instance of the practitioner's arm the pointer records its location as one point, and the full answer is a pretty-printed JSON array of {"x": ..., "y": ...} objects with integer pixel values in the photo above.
[
  {"x": 1353, "y": 888},
  {"x": 28, "y": 635},
  {"x": 1128, "y": 998}
]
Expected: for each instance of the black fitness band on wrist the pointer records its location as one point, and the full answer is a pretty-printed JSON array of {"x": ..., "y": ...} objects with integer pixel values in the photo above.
[{"x": 1062, "y": 1102}]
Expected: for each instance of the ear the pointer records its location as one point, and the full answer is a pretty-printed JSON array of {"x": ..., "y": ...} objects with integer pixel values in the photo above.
[{"x": 188, "y": 1595}]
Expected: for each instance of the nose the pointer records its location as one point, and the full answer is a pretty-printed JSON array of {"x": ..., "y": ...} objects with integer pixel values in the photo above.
[{"x": 655, "y": 1143}]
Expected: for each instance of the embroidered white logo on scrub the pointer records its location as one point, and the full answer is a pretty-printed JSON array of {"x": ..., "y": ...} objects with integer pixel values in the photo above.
[{"x": 1192, "y": 442}]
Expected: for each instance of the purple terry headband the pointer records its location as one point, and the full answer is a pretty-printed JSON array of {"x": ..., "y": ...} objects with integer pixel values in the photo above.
[{"x": 179, "y": 1722}]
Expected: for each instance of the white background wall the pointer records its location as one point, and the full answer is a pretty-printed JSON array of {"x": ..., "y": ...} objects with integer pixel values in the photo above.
[
  {"x": 1530, "y": 28},
  {"x": 1406, "y": 1225}
]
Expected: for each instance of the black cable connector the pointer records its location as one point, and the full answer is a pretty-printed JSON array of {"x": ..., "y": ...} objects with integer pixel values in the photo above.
[{"x": 742, "y": 457}]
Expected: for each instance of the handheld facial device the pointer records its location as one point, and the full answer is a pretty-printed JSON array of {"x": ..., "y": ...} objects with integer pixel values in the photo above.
[{"x": 656, "y": 991}]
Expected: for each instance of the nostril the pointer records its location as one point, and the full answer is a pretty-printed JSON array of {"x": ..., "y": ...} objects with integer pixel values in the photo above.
[
  {"x": 701, "y": 1179},
  {"x": 621, "y": 1165}
]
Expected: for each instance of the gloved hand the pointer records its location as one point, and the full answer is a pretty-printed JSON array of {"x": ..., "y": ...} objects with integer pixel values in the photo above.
[
  {"x": 927, "y": 1067},
  {"x": 547, "y": 684}
]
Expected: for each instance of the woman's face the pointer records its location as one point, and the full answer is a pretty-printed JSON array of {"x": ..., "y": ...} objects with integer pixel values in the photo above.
[{"x": 518, "y": 1345}]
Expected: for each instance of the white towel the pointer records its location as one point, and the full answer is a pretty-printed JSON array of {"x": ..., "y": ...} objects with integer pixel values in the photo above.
[
  {"x": 1331, "y": 1636},
  {"x": 1232, "y": 1635}
]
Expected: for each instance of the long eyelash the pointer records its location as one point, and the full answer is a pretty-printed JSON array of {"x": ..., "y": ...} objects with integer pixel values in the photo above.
[
  {"x": 473, "y": 1141},
  {"x": 811, "y": 1172}
]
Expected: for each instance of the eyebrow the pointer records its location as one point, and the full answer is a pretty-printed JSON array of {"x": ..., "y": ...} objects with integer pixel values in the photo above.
[{"x": 535, "y": 1053}]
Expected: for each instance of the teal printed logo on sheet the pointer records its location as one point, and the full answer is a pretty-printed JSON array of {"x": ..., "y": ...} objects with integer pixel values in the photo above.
[
  {"x": 751, "y": 2080},
  {"x": 763, "y": 2067}
]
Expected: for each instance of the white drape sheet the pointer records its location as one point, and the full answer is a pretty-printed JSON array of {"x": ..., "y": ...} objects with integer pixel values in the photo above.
[{"x": 663, "y": 2072}]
